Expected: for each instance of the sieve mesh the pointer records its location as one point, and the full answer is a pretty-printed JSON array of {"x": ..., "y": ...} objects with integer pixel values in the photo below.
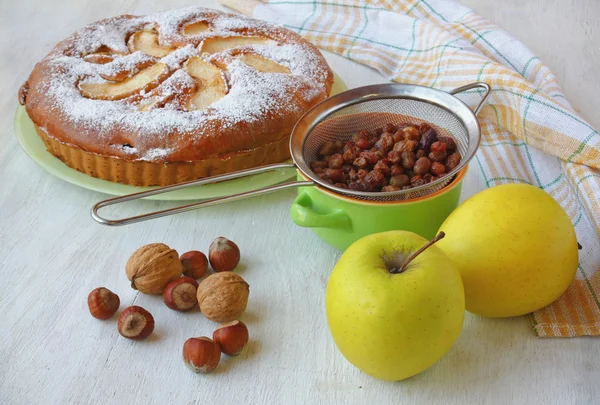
[{"x": 375, "y": 113}]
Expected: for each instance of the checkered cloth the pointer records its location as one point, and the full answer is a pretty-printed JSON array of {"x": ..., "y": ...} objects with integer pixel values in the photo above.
[{"x": 531, "y": 134}]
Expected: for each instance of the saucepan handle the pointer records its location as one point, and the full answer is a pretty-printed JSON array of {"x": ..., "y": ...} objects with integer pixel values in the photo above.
[
  {"x": 486, "y": 87},
  {"x": 200, "y": 204}
]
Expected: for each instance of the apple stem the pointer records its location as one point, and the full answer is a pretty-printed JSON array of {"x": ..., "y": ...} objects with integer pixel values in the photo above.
[{"x": 418, "y": 252}]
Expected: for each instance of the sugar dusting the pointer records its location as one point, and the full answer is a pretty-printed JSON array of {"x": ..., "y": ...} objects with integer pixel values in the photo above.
[{"x": 251, "y": 95}]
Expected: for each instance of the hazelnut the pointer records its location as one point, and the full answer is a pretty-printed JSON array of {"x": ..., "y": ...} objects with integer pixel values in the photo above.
[
  {"x": 224, "y": 255},
  {"x": 201, "y": 355},
  {"x": 232, "y": 337},
  {"x": 135, "y": 323},
  {"x": 223, "y": 297},
  {"x": 194, "y": 264},
  {"x": 152, "y": 267},
  {"x": 180, "y": 295},
  {"x": 103, "y": 303}
]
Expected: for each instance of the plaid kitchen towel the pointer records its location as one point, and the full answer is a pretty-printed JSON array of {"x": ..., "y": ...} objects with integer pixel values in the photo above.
[{"x": 531, "y": 134}]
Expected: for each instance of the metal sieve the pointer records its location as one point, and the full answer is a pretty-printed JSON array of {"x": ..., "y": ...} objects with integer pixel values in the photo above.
[{"x": 338, "y": 118}]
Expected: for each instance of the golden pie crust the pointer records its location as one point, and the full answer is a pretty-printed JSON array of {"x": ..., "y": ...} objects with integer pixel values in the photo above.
[{"x": 174, "y": 96}]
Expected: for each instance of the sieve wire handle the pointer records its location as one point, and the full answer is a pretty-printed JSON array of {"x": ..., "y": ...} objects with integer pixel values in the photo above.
[
  {"x": 482, "y": 85},
  {"x": 201, "y": 204}
]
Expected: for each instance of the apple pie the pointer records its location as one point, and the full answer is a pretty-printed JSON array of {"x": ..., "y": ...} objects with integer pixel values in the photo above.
[{"x": 174, "y": 96}]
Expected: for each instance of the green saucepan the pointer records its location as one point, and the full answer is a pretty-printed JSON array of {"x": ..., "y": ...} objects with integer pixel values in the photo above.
[{"x": 340, "y": 221}]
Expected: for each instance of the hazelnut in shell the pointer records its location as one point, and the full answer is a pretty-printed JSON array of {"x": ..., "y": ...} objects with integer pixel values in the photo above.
[
  {"x": 103, "y": 303},
  {"x": 232, "y": 337},
  {"x": 152, "y": 267},
  {"x": 223, "y": 296},
  {"x": 224, "y": 255},
  {"x": 135, "y": 323},
  {"x": 180, "y": 295},
  {"x": 201, "y": 355},
  {"x": 194, "y": 264}
]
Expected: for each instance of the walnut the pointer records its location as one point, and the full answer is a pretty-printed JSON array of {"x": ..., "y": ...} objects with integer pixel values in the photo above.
[
  {"x": 223, "y": 296},
  {"x": 152, "y": 267}
]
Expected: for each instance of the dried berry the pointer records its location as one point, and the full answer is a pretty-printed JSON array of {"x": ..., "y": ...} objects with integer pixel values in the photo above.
[
  {"x": 371, "y": 157},
  {"x": 424, "y": 127},
  {"x": 362, "y": 173},
  {"x": 411, "y": 133},
  {"x": 450, "y": 144},
  {"x": 400, "y": 180},
  {"x": 417, "y": 181},
  {"x": 408, "y": 160},
  {"x": 427, "y": 178},
  {"x": 453, "y": 161},
  {"x": 335, "y": 175},
  {"x": 374, "y": 178},
  {"x": 422, "y": 166},
  {"x": 398, "y": 136},
  {"x": 328, "y": 148},
  {"x": 406, "y": 146},
  {"x": 385, "y": 143},
  {"x": 341, "y": 185},
  {"x": 346, "y": 169},
  {"x": 360, "y": 185},
  {"x": 420, "y": 153},
  {"x": 383, "y": 168},
  {"x": 427, "y": 140},
  {"x": 437, "y": 168},
  {"x": 396, "y": 169},
  {"x": 351, "y": 154},
  {"x": 349, "y": 145},
  {"x": 335, "y": 161},
  {"x": 394, "y": 156},
  {"x": 363, "y": 143},
  {"x": 318, "y": 164},
  {"x": 352, "y": 175}
]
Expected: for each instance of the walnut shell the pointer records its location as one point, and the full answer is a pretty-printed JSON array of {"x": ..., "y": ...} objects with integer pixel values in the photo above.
[
  {"x": 152, "y": 267},
  {"x": 223, "y": 296}
]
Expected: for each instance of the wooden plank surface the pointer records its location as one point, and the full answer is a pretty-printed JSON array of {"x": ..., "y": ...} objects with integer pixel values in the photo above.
[{"x": 52, "y": 255}]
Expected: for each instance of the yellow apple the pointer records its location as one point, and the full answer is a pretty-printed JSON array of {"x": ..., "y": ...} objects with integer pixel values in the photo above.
[
  {"x": 515, "y": 248},
  {"x": 389, "y": 320}
]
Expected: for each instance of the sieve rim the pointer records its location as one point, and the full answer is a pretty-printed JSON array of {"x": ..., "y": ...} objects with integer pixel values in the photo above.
[
  {"x": 454, "y": 183},
  {"x": 329, "y": 106}
]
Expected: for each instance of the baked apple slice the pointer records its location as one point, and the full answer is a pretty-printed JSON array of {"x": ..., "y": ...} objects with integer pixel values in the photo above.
[
  {"x": 218, "y": 44},
  {"x": 176, "y": 90},
  {"x": 195, "y": 28},
  {"x": 145, "y": 80},
  {"x": 99, "y": 58},
  {"x": 147, "y": 42},
  {"x": 263, "y": 64},
  {"x": 209, "y": 80}
]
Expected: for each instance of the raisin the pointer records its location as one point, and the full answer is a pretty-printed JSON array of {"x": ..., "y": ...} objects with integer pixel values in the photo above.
[
  {"x": 361, "y": 162},
  {"x": 408, "y": 160},
  {"x": 385, "y": 161},
  {"x": 371, "y": 157},
  {"x": 374, "y": 178},
  {"x": 450, "y": 144},
  {"x": 362, "y": 173},
  {"x": 406, "y": 145},
  {"x": 453, "y": 161},
  {"x": 389, "y": 128},
  {"x": 360, "y": 185},
  {"x": 383, "y": 168},
  {"x": 394, "y": 156},
  {"x": 427, "y": 140},
  {"x": 318, "y": 170},
  {"x": 424, "y": 127},
  {"x": 321, "y": 164},
  {"x": 396, "y": 169},
  {"x": 324, "y": 177},
  {"x": 335, "y": 161},
  {"x": 346, "y": 169},
  {"x": 422, "y": 166},
  {"x": 387, "y": 189},
  {"x": 438, "y": 147},
  {"x": 420, "y": 153},
  {"x": 379, "y": 131},
  {"x": 398, "y": 136},
  {"x": 385, "y": 143},
  {"x": 411, "y": 133},
  {"x": 341, "y": 185},
  {"x": 437, "y": 168},
  {"x": 427, "y": 178},
  {"x": 328, "y": 148},
  {"x": 417, "y": 181},
  {"x": 335, "y": 175},
  {"x": 351, "y": 154},
  {"x": 349, "y": 145},
  {"x": 352, "y": 175},
  {"x": 363, "y": 143},
  {"x": 400, "y": 180}
]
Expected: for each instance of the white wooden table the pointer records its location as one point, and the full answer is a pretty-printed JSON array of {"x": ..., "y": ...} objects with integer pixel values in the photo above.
[{"x": 52, "y": 254}]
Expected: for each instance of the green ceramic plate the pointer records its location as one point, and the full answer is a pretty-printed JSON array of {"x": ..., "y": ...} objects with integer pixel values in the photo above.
[{"x": 35, "y": 148}]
